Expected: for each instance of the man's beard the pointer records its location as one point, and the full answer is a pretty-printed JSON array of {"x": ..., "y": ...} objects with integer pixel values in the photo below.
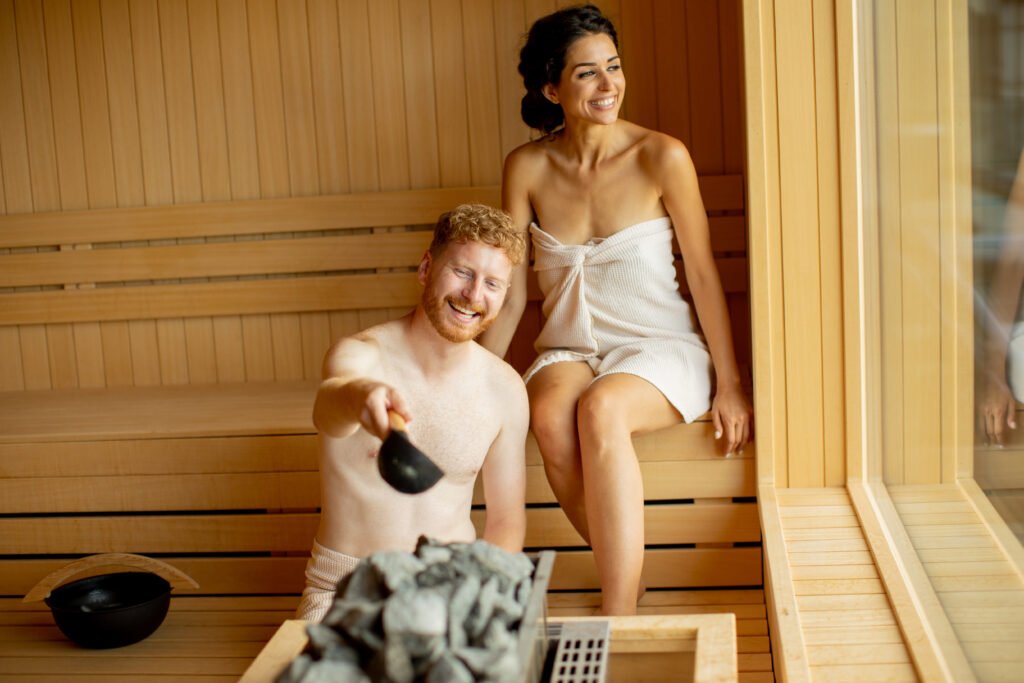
[{"x": 437, "y": 310}]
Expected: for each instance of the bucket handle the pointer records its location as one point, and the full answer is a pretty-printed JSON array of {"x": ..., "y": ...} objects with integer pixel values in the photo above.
[{"x": 173, "y": 575}]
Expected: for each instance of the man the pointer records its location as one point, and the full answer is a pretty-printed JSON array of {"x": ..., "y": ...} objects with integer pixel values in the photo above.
[{"x": 465, "y": 408}]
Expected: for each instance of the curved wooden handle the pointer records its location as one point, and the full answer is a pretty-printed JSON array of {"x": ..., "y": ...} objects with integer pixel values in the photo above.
[{"x": 173, "y": 575}]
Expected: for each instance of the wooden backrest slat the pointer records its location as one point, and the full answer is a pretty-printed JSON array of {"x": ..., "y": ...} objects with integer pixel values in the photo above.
[
  {"x": 722, "y": 193},
  {"x": 222, "y": 259},
  {"x": 176, "y": 221},
  {"x": 282, "y": 295},
  {"x": 254, "y": 257}
]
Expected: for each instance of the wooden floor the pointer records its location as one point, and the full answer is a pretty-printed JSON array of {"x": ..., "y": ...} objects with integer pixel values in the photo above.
[
  {"x": 848, "y": 626},
  {"x": 215, "y": 639},
  {"x": 980, "y": 591}
]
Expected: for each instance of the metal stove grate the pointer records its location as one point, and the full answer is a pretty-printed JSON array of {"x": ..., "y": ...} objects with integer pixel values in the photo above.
[{"x": 581, "y": 655}]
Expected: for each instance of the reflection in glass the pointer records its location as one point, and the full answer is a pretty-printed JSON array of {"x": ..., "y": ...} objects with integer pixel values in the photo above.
[{"x": 997, "y": 144}]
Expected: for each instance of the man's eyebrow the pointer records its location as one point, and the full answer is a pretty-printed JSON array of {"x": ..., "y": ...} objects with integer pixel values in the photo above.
[{"x": 610, "y": 59}]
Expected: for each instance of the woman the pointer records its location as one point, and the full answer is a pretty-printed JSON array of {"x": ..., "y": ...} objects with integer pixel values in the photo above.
[{"x": 619, "y": 353}]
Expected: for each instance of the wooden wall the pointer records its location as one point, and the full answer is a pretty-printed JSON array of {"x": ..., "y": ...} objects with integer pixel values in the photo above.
[
  {"x": 923, "y": 240},
  {"x": 797, "y": 294},
  {"x": 123, "y": 103}
]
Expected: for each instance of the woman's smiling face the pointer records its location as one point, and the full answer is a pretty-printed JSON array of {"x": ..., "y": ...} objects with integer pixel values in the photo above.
[{"x": 592, "y": 83}]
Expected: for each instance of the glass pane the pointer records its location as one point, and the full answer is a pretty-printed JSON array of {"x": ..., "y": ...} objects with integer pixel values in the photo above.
[{"x": 997, "y": 170}]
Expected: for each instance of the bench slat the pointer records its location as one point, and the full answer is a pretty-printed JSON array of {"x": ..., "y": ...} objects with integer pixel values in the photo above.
[
  {"x": 291, "y": 490},
  {"x": 293, "y": 532},
  {"x": 663, "y": 568}
]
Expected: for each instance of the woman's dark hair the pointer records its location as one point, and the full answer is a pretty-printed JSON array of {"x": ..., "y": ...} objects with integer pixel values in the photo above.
[{"x": 543, "y": 57}]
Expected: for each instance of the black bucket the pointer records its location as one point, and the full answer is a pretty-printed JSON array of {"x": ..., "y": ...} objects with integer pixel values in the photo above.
[{"x": 111, "y": 610}]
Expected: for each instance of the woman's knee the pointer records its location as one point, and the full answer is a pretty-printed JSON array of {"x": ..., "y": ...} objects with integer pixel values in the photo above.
[{"x": 600, "y": 411}]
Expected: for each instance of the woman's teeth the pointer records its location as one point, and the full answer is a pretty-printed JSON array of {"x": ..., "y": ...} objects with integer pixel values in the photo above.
[{"x": 607, "y": 102}]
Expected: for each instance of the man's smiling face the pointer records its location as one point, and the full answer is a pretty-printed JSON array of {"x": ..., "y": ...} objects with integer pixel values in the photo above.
[{"x": 464, "y": 288}]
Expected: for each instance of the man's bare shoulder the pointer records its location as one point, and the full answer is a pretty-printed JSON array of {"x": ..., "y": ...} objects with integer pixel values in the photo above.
[
  {"x": 500, "y": 374},
  {"x": 362, "y": 350}
]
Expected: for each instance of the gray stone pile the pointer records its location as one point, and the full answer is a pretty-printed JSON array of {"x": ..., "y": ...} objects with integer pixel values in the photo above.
[{"x": 445, "y": 614}]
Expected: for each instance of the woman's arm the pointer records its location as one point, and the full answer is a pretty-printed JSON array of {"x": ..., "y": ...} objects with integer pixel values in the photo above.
[
  {"x": 515, "y": 200},
  {"x": 731, "y": 411}
]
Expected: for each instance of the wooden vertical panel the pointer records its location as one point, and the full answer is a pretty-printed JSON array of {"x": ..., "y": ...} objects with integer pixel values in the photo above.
[
  {"x": 92, "y": 92},
  {"x": 449, "y": 63},
  {"x": 228, "y": 346},
  {"x": 259, "y": 348},
  {"x": 35, "y": 86},
  {"x": 89, "y": 355},
  {"x": 702, "y": 32},
  {"x": 117, "y": 354},
  {"x": 300, "y": 127},
  {"x": 890, "y": 244},
  {"x": 176, "y": 53},
  {"x": 60, "y": 346},
  {"x": 955, "y": 177},
  {"x": 214, "y": 167},
  {"x": 915, "y": 36},
  {"x": 763, "y": 210},
  {"x": 35, "y": 361},
  {"x": 420, "y": 106},
  {"x": 186, "y": 177},
  {"x": 144, "y": 352},
  {"x": 124, "y": 112},
  {"x": 389, "y": 94},
  {"x": 201, "y": 350},
  {"x": 535, "y": 9},
  {"x": 328, "y": 96},
  {"x": 152, "y": 102},
  {"x": 636, "y": 45},
  {"x": 369, "y": 317},
  {"x": 243, "y": 157},
  {"x": 268, "y": 102},
  {"x": 733, "y": 149},
  {"x": 14, "y": 164},
  {"x": 356, "y": 70},
  {"x": 482, "y": 93},
  {"x": 42, "y": 159},
  {"x": 208, "y": 84},
  {"x": 800, "y": 251},
  {"x": 159, "y": 176},
  {"x": 826, "y": 94},
  {"x": 286, "y": 338},
  {"x": 12, "y": 378},
  {"x": 509, "y": 27},
  {"x": 344, "y": 324},
  {"x": 316, "y": 338},
  {"x": 673, "y": 85},
  {"x": 243, "y": 160},
  {"x": 67, "y": 114}
]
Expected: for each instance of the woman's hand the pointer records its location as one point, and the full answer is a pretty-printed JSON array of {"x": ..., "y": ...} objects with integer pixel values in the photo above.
[
  {"x": 996, "y": 410},
  {"x": 733, "y": 419}
]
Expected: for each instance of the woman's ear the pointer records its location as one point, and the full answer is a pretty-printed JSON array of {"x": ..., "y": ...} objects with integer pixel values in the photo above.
[{"x": 550, "y": 92}]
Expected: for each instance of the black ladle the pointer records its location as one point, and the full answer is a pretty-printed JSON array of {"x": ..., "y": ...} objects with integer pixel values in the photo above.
[{"x": 405, "y": 467}]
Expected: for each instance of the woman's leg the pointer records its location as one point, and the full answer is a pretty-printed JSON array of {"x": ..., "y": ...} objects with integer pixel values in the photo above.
[
  {"x": 609, "y": 412},
  {"x": 553, "y": 393}
]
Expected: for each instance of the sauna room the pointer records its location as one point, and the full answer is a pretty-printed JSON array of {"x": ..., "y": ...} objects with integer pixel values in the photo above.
[{"x": 199, "y": 197}]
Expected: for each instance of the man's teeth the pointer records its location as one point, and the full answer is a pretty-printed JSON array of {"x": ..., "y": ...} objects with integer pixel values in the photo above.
[{"x": 460, "y": 309}]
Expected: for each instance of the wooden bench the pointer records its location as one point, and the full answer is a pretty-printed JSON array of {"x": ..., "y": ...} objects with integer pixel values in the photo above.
[{"x": 159, "y": 366}]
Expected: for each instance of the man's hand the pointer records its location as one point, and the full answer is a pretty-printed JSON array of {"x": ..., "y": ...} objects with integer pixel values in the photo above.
[{"x": 378, "y": 399}]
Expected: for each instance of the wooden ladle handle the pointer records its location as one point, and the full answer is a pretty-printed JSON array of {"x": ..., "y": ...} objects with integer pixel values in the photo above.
[
  {"x": 397, "y": 422},
  {"x": 173, "y": 575}
]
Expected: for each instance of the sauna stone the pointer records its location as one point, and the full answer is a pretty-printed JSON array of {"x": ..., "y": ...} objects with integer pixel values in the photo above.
[{"x": 449, "y": 612}]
